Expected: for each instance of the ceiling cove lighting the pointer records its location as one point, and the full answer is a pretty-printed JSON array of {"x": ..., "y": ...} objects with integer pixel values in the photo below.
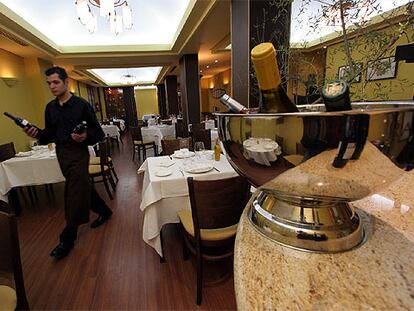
[{"x": 107, "y": 9}]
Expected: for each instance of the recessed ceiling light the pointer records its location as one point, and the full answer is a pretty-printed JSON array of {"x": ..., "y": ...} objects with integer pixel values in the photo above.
[
  {"x": 216, "y": 61},
  {"x": 207, "y": 66},
  {"x": 324, "y": 46},
  {"x": 201, "y": 71}
]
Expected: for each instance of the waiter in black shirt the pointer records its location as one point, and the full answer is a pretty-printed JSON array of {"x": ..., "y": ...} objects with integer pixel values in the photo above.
[{"x": 61, "y": 117}]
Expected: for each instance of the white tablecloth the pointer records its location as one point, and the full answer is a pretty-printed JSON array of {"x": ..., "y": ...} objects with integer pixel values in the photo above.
[
  {"x": 163, "y": 197},
  {"x": 157, "y": 133},
  {"x": 209, "y": 124},
  {"x": 39, "y": 169},
  {"x": 111, "y": 131},
  {"x": 146, "y": 117},
  {"x": 121, "y": 124}
]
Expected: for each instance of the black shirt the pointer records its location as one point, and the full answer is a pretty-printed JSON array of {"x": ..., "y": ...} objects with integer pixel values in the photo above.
[{"x": 61, "y": 120}]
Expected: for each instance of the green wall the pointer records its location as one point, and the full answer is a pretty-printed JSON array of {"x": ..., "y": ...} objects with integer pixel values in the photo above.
[
  {"x": 146, "y": 102},
  {"x": 26, "y": 99},
  {"x": 399, "y": 88}
]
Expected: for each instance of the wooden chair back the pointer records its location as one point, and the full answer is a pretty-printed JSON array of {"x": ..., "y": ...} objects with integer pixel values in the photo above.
[
  {"x": 7, "y": 151},
  {"x": 10, "y": 261},
  {"x": 171, "y": 145},
  {"x": 104, "y": 154},
  {"x": 179, "y": 128},
  {"x": 197, "y": 126},
  {"x": 204, "y": 136},
  {"x": 136, "y": 133},
  {"x": 217, "y": 203}
]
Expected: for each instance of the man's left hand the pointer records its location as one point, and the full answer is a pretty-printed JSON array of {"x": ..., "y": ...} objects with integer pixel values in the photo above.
[{"x": 78, "y": 137}]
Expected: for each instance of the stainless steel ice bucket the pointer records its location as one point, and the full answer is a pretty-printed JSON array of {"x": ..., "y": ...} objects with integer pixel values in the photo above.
[{"x": 308, "y": 208}]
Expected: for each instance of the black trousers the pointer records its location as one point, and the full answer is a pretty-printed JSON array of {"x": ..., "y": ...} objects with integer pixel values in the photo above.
[
  {"x": 80, "y": 196},
  {"x": 98, "y": 206}
]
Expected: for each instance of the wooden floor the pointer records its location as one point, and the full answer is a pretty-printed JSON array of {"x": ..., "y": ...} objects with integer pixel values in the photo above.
[{"x": 110, "y": 267}]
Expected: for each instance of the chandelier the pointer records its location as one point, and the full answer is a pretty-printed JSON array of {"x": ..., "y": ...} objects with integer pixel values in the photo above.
[
  {"x": 107, "y": 9},
  {"x": 128, "y": 79}
]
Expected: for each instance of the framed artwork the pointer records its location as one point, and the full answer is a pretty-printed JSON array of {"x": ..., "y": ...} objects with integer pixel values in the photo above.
[
  {"x": 384, "y": 68},
  {"x": 343, "y": 73}
]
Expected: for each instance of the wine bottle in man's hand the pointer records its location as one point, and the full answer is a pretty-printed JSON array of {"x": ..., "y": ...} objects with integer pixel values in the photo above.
[
  {"x": 20, "y": 122},
  {"x": 80, "y": 128}
]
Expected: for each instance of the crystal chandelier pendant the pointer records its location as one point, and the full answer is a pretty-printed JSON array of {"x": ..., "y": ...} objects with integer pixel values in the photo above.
[{"x": 107, "y": 9}]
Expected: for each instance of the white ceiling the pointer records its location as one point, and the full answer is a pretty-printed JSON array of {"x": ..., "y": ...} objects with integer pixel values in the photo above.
[
  {"x": 163, "y": 31},
  {"x": 154, "y": 22}
]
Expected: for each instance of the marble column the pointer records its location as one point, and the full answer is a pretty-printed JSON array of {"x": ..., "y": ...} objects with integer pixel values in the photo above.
[
  {"x": 162, "y": 107},
  {"x": 171, "y": 95},
  {"x": 254, "y": 22},
  {"x": 190, "y": 90}
]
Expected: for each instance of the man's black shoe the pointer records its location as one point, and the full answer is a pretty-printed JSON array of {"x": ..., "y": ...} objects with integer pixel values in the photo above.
[
  {"x": 61, "y": 250},
  {"x": 100, "y": 220}
]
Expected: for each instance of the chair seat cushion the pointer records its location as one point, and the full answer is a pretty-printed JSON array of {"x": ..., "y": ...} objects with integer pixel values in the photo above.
[
  {"x": 8, "y": 298},
  {"x": 144, "y": 142},
  {"x": 96, "y": 169},
  {"x": 206, "y": 234},
  {"x": 97, "y": 160}
]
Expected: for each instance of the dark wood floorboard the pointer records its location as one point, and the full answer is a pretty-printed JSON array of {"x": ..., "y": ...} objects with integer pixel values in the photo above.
[{"x": 110, "y": 268}]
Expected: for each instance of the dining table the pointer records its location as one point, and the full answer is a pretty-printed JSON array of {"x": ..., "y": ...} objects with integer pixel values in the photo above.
[
  {"x": 157, "y": 133},
  {"x": 121, "y": 124},
  {"x": 165, "y": 190},
  {"x": 35, "y": 167},
  {"x": 112, "y": 131}
]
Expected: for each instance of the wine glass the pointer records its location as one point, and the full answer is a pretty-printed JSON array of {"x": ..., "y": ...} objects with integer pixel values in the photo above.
[
  {"x": 199, "y": 148},
  {"x": 183, "y": 144}
]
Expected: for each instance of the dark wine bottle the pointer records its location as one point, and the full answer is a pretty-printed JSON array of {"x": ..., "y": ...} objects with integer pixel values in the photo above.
[
  {"x": 23, "y": 123},
  {"x": 233, "y": 104},
  {"x": 274, "y": 97},
  {"x": 80, "y": 128},
  {"x": 335, "y": 95}
]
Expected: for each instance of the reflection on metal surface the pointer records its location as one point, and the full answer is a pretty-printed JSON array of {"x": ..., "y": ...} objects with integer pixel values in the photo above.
[
  {"x": 315, "y": 219},
  {"x": 320, "y": 224},
  {"x": 261, "y": 150}
]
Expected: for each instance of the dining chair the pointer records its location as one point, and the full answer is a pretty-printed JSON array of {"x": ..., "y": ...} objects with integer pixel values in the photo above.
[
  {"x": 196, "y": 127},
  {"x": 209, "y": 229},
  {"x": 179, "y": 128},
  {"x": 171, "y": 145},
  {"x": 139, "y": 143},
  {"x": 166, "y": 121},
  {"x": 7, "y": 151},
  {"x": 12, "y": 290},
  {"x": 204, "y": 136},
  {"x": 97, "y": 160},
  {"x": 102, "y": 170}
]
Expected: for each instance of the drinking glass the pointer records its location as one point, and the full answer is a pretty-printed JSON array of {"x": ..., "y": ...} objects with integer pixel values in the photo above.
[
  {"x": 199, "y": 149},
  {"x": 183, "y": 144}
]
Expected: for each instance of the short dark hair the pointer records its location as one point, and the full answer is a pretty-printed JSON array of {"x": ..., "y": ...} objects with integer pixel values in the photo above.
[{"x": 59, "y": 70}]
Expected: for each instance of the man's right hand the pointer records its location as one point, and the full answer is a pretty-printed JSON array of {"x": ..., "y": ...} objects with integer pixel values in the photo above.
[{"x": 31, "y": 131}]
